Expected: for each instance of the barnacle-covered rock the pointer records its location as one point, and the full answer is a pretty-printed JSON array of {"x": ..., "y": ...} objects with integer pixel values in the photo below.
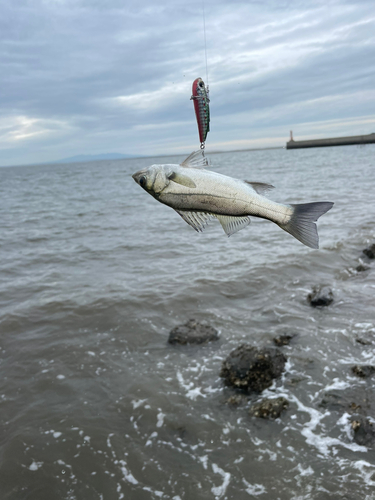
[
  {"x": 193, "y": 332},
  {"x": 252, "y": 369}
]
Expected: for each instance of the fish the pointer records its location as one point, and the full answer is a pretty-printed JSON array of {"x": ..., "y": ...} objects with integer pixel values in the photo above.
[
  {"x": 199, "y": 195},
  {"x": 202, "y": 109}
]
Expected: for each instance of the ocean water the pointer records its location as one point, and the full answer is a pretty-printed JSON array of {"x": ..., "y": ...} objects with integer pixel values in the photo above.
[{"x": 94, "y": 273}]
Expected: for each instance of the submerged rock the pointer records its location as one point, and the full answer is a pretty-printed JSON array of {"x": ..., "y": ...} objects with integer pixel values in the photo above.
[
  {"x": 236, "y": 400},
  {"x": 363, "y": 341},
  {"x": 361, "y": 268},
  {"x": 252, "y": 369},
  {"x": 269, "y": 408},
  {"x": 363, "y": 371},
  {"x": 193, "y": 332},
  {"x": 281, "y": 340},
  {"x": 370, "y": 251},
  {"x": 320, "y": 296},
  {"x": 364, "y": 431},
  {"x": 345, "y": 401}
]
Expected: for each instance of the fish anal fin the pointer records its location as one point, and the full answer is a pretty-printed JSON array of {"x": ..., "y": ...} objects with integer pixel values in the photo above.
[
  {"x": 182, "y": 179},
  {"x": 260, "y": 187},
  {"x": 197, "y": 220},
  {"x": 196, "y": 160},
  {"x": 232, "y": 224}
]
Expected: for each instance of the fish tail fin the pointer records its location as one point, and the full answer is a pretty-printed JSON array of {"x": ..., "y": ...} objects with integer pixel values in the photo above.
[{"x": 302, "y": 225}]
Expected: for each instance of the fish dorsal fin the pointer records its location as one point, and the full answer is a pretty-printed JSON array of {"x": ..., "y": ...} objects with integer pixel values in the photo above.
[
  {"x": 196, "y": 160},
  {"x": 197, "y": 220},
  {"x": 182, "y": 179},
  {"x": 232, "y": 224},
  {"x": 260, "y": 187}
]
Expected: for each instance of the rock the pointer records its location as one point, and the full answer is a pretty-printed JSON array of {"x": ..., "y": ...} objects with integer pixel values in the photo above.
[
  {"x": 362, "y": 267},
  {"x": 343, "y": 402},
  {"x": 252, "y": 369},
  {"x": 364, "y": 430},
  {"x": 283, "y": 339},
  {"x": 363, "y": 371},
  {"x": 193, "y": 332},
  {"x": 320, "y": 296},
  {"x": 362, "y": 341},
  {"x": 236, "y": 400},
  {"x": 269, "y": 408},
  {"x": 370, "y": 251}
]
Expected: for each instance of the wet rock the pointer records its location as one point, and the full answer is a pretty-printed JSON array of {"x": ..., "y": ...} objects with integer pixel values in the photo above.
[
  {"x": 364, "y": 431},
  {"x": 193, "y": 332},
  {"x": 281, "y": 340},
  {"x": 236, "y": 400},
  {"x": 363, "y": 341},
  {"x": 269, "y": 408},
  {"x": 341, "y": 402},
  {"x": 361, "y": 268},
  {"x": 363, "y": 371},
  {"x": 370, "y": 251},
  {"x": 320, "y": 296},
  {"x": 252, "y": 369}
]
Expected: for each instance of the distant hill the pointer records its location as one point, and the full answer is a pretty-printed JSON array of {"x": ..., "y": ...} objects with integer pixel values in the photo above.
[{"x": 105, "y": 156}]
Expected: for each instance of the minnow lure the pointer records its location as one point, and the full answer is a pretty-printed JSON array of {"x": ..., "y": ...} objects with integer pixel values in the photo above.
[{"x": 202, "y": 109}]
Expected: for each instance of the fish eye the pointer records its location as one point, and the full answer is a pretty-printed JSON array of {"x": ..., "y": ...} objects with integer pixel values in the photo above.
[{"x": 142, "y": 181}]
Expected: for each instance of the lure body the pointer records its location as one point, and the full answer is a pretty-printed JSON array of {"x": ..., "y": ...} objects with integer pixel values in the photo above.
[{"x": 202, "y": 109}]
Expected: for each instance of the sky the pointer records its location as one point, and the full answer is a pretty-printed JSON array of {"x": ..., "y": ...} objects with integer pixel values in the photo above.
[{"x": 95, "y": 76}]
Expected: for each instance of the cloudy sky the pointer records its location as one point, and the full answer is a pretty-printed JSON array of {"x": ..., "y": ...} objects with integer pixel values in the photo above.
[{"x": 101, "y": 76}]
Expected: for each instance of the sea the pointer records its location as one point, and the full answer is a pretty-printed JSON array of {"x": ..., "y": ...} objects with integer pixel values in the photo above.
[{"x": 95, "y": 404}]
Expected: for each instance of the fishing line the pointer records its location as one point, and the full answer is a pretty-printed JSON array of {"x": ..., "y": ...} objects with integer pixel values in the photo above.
[
  {"x": 200, "y": 96},
  {"x": 205, "y": 41}
]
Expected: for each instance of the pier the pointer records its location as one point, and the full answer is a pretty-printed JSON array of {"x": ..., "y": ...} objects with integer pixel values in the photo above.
[{"x": 335, "y": 141}]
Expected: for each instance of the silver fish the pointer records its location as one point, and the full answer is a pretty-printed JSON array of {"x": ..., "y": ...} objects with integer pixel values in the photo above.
[{"x": 199, "y": 195}]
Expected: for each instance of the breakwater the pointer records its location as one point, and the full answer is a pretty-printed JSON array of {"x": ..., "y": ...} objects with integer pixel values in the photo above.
[{"x": 335, "y": 141}]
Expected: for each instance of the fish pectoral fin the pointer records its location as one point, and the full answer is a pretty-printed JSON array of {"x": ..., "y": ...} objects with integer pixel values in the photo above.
[
  {"x": 260, "y": 187},
  {"x": 197, "y": 220},
  {"x": 196, "y": 160},
  {"x": 182, "y": 179},
  {"x": 232, "y": 224}
]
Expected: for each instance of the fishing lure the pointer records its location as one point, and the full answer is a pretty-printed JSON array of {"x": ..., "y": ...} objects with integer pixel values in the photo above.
[{"x": 202, "y": 109}]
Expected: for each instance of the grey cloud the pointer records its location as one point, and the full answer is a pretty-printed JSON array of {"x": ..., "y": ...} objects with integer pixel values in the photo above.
[{"x": 65, "y": 63}]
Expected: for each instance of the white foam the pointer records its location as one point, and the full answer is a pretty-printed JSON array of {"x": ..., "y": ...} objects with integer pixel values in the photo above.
[
  {"x": 138, "y": 403},
  {"x": 35, "y": 465},
  {"x": 219, "y": 491},
  {"x": 61, "y": 376},
  {"x": 194, "y": 393},
  {"x": 305, "y": 472},
  {"x": 128, "y": 476},
  {"x": 181, "y": 381},
  {"x": 361, "y": 465},
  {"x": 322, "y": 443},
  {"x": 160, "y": 418},
  {"x": 337, "y": 384},
  {"x": 155, "y": 492},
  {"x": 254, "y": 489},
  {"x": 109, "y": 440},
  {"x": 204, "y": 460},
  {"x": 57, "y": 434},
  {"x": 191, "y": 392}
]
